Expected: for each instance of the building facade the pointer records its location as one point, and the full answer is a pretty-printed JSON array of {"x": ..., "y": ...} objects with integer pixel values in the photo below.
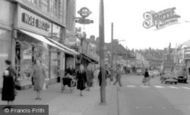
[
  {"x": 31, "y": 30},
  {"x": 182, "y": 56}
]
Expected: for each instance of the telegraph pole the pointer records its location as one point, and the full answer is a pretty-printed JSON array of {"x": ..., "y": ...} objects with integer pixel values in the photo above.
[
  {"x": 101, "y": 45},
  {"x": 112, "y": 47}
]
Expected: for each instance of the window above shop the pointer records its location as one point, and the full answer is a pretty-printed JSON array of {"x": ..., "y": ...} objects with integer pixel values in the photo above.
[{"x": 50, "y": 6}]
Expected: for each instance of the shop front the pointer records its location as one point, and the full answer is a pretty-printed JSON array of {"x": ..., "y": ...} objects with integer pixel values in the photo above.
[
  {"x": 5, "y": 43},
  {"x": 187, "y": 64},
  {"x": 37, "y": 38},
  {"x": 88, "y": 54},
  {"x": 5, "y": 35}
]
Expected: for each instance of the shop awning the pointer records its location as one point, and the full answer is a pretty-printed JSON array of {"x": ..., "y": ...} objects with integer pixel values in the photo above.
[
  {"x": 47, "y": 41},
  {"x": 89, "y": 58},
  {"x": 64, "y": 47}
]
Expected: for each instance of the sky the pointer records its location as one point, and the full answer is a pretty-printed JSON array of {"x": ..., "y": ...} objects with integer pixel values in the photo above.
[{"x": 127, "y": 16}]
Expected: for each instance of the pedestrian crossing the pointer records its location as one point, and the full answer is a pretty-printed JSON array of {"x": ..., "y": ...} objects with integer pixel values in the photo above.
[{"x": 158, "y": 86}]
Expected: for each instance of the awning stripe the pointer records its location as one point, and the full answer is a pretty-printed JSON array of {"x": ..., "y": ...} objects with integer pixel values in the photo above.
[
  {"x": 65, "y": 47},
  {"x": 47, "y": 41},
  {"x": 89, "y": 58}
]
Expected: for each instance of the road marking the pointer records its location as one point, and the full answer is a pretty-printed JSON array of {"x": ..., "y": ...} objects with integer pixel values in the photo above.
[
  {"x": 159, "y": 86},
  {"x": 173, "y": 87},
  {"x": 132, "y": 86},
  {"x": 185, "y": 87},
  {"x": 143, "y": 86}
]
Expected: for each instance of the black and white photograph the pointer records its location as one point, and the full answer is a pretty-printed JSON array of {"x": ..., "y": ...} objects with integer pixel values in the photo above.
[{"x": 94, "y": 57}]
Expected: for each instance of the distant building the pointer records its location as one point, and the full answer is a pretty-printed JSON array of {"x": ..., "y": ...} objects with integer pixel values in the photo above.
[{"x": 182, "y": 56}]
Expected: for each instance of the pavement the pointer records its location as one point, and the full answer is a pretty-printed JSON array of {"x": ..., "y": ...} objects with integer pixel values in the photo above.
[{"x": 68, "y": 103}]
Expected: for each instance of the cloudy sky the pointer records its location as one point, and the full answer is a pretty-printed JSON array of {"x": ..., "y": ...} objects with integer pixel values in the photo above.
[{"x": 127, "y": 16}]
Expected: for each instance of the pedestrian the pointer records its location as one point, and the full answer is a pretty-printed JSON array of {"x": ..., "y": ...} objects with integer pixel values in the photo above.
[
  {"x": 68, "y": 77},
  {"x": 146, "y": 79},
  {"x": 39, "y": 75},
  {"x": 81, "y": 79},
  {"x": 108, "y": 74},
  {"x": 100, "y": 76},
  {"x": 8, "y": 89},
  {"x": 118, "y": 76},
  {"x": 90, "y": 77}
]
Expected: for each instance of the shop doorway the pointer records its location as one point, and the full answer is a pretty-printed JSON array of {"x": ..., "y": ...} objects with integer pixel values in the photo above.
[
  {"x": 18, "y": 59},
  {"x": 24, "y": 58}
]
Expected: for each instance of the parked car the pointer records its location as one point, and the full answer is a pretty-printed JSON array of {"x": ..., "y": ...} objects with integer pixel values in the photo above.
[
  {"x": 181, "y": 75},
  {"x": 169, "y": 78},
  {"x": 182, "y": 79},
  {"x": 171, "y": 81}
]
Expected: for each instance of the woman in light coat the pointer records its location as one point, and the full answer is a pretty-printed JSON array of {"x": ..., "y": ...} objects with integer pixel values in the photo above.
[{"x": 39, "y": 76}]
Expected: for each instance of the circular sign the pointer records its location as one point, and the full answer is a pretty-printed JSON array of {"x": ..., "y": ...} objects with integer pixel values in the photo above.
[{"x": 84, "y": 12}]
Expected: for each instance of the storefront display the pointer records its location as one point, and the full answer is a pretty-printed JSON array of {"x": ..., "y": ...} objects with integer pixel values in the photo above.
[
  {"x": 27, "y": 50},
  {"x": 54, "y": 63},
  {"x": 70, "y": 61}
]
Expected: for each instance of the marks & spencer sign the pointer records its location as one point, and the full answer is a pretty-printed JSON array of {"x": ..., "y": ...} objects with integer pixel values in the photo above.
[
  {"x": 32, "y": 22},
  {"x": 160, "y": 19}
]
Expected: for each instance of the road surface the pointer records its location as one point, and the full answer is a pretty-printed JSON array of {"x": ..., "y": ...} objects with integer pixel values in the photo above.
[{"x": 156, "y": 99}]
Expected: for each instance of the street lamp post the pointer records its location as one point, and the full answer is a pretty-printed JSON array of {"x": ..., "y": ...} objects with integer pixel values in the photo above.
[{"x": 101, "y": 36}]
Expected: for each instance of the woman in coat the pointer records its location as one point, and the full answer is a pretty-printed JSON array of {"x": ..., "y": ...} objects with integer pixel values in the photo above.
[
  {"x": 8, "y": 90},
  {"x": 146, "y": 79},
  {"x": 39, "y": 76},
  {"x": 81, "y": 79},
  {"x": 90, "y": 77},
  {"x": 118, "y": 75}
]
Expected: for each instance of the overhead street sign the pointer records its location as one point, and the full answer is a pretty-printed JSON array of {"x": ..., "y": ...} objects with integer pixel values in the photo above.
[{"x": 84, "y": 21}]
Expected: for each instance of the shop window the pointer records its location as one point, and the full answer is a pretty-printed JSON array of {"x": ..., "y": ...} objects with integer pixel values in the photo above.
[
  {"x": 54, "y": 63},
  {"x": 26, "y": 52},
  {"x": 44, "y": 4},
  {"x": 56, "y": 32},
  {"x": 35, "y": 2},
  {"x": 56, "y": 7},
  {"x": 51, "y": 5}
]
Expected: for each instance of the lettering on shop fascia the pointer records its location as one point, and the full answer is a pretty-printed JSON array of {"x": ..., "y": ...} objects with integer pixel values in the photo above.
[
  {"x": 32, "y": 21},
  {"x": 160, "y": 19}
]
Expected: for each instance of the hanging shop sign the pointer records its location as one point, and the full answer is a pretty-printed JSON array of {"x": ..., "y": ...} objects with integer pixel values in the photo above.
[
  {"x": 32, "y": 22},
  {"x": 84, "y": 12},
  {"x": 160, "y": 19}
]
